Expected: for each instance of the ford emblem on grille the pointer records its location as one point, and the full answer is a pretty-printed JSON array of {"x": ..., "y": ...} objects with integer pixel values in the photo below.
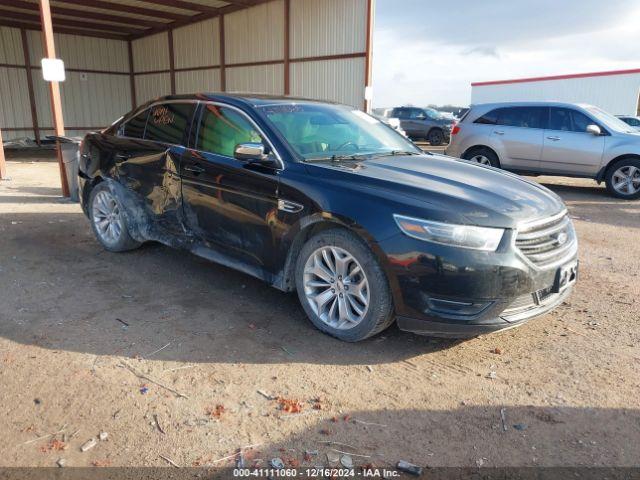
[{"x": 562, "y": 238}]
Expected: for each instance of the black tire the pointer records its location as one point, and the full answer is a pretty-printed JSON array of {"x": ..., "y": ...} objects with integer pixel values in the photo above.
[
  {"x": 487, "y": 153},
  {"x": 435, "y": 137},
  {"x": 610, "y": 182},
  {"x": 122, "y": 242},
  {"x": 380, "y": 311}
]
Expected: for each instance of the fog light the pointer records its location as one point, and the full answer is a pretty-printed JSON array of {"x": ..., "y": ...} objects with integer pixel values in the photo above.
[{"x": 449, "y": 307}]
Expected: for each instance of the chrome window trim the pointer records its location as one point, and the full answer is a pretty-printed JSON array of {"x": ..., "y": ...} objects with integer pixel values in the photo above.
[{"x": 255, "y": 125}]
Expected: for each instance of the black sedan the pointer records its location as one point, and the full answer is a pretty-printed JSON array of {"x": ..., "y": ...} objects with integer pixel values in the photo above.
[{"x": 328, "y": 201}]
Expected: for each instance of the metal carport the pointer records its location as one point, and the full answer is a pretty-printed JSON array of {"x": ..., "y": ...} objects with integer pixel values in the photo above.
[{"x": 121, "y": 53}]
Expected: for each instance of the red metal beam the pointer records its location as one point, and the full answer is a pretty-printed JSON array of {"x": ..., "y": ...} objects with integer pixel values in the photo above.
[
  {"x": 87, "y": 14},
  {"x": 287, "y": 47},
  {"x": 32, "y": 98},
  {"x": 185, "y": 5},
  {"x": 223, "y": 72},
  {"x": 69, "y": 31},
  {"x": 26, "y": 17},
  {"x": 118, "y": 7},
  {"x": 172, "y": 62},
  {"x": 49, "y": 51},
  {"x": 3, "y": 165},
  {"x": 557, "y": 77},
  {"x": 369, "y": 54},
  {"x": 132, "y": 78}
]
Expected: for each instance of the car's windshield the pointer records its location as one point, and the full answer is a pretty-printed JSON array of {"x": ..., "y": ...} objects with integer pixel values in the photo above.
[
  {"x": 609, "y": 120},
  {"x": 318, "y": 131}
]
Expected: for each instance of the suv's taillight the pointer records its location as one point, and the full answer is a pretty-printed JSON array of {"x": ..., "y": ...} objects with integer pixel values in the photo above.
[{"x": 455, "y": 130}]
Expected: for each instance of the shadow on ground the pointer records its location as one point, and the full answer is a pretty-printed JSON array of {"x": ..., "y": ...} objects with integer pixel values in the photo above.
[{"x": 62, "y": 291}]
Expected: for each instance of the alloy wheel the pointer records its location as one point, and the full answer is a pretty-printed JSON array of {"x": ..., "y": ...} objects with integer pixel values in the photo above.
[
  {"x": 336, "y": 287},
  {"x": 107, "y": 217},
  {"x": 626, "y": 180},
  {"x": 481, "y": 159}
]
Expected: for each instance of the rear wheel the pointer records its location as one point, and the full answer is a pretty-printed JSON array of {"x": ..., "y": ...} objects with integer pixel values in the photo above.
[
  {"x": 623, "y": 179},
  {"x": 435, "y": 137},
  {"x": 108, "y": 221},
  {"x": 483, "y": 156},
  {"x": 342, "y": 287}
]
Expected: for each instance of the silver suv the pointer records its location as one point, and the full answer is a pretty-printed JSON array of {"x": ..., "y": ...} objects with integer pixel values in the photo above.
[{"x": 573, "y": 140}]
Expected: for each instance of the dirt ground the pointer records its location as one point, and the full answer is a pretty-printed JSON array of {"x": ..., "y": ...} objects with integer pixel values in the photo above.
[{"x": 167, "y": 353}]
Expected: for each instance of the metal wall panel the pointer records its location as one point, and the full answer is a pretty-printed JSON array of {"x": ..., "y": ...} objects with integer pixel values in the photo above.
[
  {"x": 151, "y": 86},
  {"x": 197, "y": 45},
  {"x": 335, "y": 80},
  {"x": 259, "y": 79},
  {"x": 255, "y": 34},
  {"x": 151, "y": 53},
  {"x": 83, "y": 52},
  {"x": 88, "y": 100},
  {"x": 194, "y": 81},
  {"x": 328, "y": 27},
  {"x": 14, "y": 102},
  {"x": 617, "y": 94},
  {"x": 11, "y": 46}
]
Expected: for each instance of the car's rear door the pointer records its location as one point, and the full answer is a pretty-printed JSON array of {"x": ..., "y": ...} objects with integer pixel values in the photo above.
[
  {"x": 229, "y": 204},
  {"x": 568, "y": 147},
  {"x": 151, "y": 166},
  {"x": 519, "y": 134}
]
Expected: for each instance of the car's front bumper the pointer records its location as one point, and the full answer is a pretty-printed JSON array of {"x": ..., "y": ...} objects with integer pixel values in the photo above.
[{"x": 453, "y": 292}]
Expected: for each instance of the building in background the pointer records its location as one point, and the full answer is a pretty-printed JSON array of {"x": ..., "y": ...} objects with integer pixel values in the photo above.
[
  {"x": 119, "y": 54},
  {"x": 617, "y": 92}
]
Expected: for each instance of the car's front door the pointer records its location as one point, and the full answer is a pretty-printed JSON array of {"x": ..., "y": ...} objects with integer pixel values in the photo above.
[
  {"x": 568, "y": 147},
  {"x": 229, "y": 204},
  {"x": 519, "y": 133}
]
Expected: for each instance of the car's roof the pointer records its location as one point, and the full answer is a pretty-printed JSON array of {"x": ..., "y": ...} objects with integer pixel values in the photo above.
[
  {"x": 250, "y": 99},
  {"x": 529, "y": 104}
]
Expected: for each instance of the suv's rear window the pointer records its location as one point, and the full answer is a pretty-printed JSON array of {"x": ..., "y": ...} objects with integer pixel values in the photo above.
[{"x": 523, "y": 117}]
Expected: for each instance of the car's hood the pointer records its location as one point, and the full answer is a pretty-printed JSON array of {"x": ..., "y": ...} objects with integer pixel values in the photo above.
[{"x": 482, "y": 195}]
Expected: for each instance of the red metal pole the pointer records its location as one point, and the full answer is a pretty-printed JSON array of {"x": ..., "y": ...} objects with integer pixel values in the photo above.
[{"x": 49, "y": 50}]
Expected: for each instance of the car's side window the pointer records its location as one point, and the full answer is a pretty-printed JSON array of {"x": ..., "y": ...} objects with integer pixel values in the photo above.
[
  {"x": 489, "y": 118},
  {"x": 134, "y": 128},
  {"x": 417, "y": 114},
  {"x": 523, "y": 117},
  {"x": 222, "y": 128},
  {"x": 168, "y": 122},
  {"x": 568, "y": 120}
]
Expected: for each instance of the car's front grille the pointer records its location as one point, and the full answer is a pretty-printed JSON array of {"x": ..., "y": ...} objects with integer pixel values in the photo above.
[{"x": 549, "y": 242}]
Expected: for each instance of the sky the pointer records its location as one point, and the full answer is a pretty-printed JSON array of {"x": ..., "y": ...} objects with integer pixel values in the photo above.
[{"x": 428, "y": 52}]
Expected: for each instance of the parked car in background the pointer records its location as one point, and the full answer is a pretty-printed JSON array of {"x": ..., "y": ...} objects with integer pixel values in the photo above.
[
  {"x": 543, "y": 138},
  {"x": 325, "y": 200},
  {"x": 424, "y": 124},
  {"x": 631, "y": 121}
]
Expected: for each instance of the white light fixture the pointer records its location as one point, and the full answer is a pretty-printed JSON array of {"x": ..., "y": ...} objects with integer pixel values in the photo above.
[{"x": 53, "y": 70}]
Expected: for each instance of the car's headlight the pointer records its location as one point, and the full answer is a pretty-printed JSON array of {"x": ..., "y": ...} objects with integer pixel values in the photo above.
[{"x": 464, "y": 236}]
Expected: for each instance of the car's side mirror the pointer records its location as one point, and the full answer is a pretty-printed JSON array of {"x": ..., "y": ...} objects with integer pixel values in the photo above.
[
  {"x": 252, "y": 153},
  {"x": 594, "y": 130},
  {"x": 421, "y": 116}
]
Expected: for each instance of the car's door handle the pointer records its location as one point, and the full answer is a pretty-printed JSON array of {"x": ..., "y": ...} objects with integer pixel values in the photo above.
[
  {"x": 555, "y": 139},
  {"x": 194, "y": 168},
  {"x": 123, "y": 156},
  {"x": 498, "y": 132}
]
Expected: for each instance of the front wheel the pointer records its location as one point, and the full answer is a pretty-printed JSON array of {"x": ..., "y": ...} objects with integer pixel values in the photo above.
[
  {"x": 342, "y": 287},
  {"x": 623, "y": 179},
  {"x": 108, "y": 220}
]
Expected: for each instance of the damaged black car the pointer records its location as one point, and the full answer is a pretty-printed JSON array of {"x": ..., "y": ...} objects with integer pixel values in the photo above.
[{"x": 327, "y": 201}]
